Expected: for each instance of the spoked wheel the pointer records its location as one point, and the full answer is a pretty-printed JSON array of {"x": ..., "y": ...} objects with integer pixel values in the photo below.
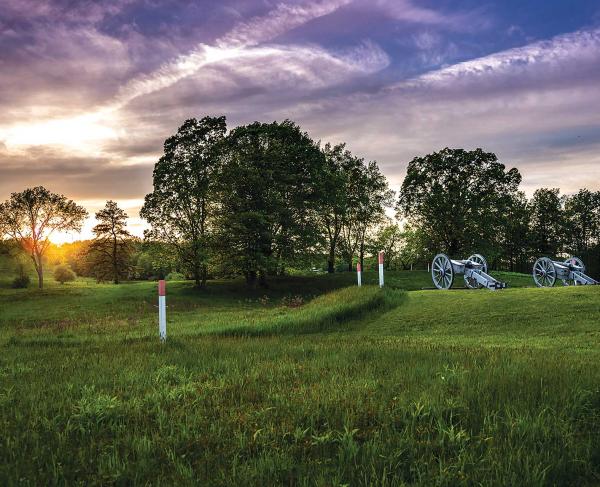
[
  {"x": 470, "y": 282},
  {"x": 577, "y": 262},
  {"x": 442, "y": 273},
  {"x": 544, "y": 273}
]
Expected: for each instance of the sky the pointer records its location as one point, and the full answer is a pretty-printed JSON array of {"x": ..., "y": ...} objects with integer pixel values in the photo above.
[{"x": 90, "y": 90}]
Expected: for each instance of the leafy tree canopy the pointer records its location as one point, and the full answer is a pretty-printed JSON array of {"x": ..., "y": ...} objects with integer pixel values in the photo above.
[
  {"x": 458, "y": 198},
  {"x": 32, "y": 216},
  {"x": 110, "y": 252},
  {"x": 180, "y": 207},
  {"x": 270, "y": 190}
]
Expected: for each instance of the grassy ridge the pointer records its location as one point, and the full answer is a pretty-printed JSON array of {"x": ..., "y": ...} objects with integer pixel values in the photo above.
[
  {"x": 307, "y": 383},
  {"x": 514, "y": 317},
  {"x": 324, "y": 313}
]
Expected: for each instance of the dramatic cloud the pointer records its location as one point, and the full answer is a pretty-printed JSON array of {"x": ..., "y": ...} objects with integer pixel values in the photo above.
[{"x": 90, "y": 90}]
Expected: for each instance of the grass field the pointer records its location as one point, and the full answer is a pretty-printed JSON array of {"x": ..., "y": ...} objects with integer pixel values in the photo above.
[{"x": 311, "y": 382}]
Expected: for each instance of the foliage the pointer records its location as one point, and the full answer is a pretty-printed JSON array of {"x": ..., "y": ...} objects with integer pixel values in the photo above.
[
  {"x": 175, "y": 276},
  {"x": 181, "y": 206},
  {"x": 513, "y": 241},
  {"x": 21, "y": 282},
  {"x": 32, "y": 216},
  {"x": 339, "y": 170},
  {"x": 63, "y": 273},
  {"x": 458, "y": 198},
  {"x": 369, "y": 195},
  {"x": 154, "y": 260},
  {"x": 269, "y": 193},
  {"x": 403, "y": 247},
  {"x": 546, "y": 221},
  {"x": 582, "y": 220},
  {"x": 109, "y": 254}
]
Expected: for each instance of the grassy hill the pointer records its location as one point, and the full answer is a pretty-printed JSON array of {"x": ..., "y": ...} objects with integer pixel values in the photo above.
[{"x": 311, "y": 382}]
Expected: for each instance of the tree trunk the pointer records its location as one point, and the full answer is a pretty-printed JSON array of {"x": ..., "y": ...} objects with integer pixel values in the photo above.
[
  {"x": 251, "y": 279},
  {"x": 362, "y": 255},
  {"x": 114, "y": 262},
  {"x": 40, "y": 274},
  {"x": 197, "y": 277},
  {"x": 36, "y": 257},
  {"x": 331, "y": 259},
  {"x": 204, "y": 275},
  {"x": 262, "y": 279}
]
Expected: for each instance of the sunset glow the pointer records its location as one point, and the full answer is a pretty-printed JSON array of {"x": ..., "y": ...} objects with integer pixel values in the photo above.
[{"x": 82, "y": 133}]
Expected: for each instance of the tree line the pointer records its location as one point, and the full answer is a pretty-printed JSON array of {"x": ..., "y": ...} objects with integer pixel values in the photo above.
[
  {"x": 461, "y": 202},
  {"x": 265, "y": 198},
  {"x": 260, "y": 199}
]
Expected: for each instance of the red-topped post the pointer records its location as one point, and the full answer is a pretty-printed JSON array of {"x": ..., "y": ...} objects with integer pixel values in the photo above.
[
  {"x": 380, "y": 260},
  {"x": 162, "y": 310},
  {"x": 358, "y": 274}
]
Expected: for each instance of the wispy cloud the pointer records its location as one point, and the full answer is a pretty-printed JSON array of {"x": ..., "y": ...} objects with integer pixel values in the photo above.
[
  {"x": 515, "y": 103},
  {"x": 232, "y": 45},
  {"x": 90, "y": 90},
  {"x": 239, "y": 44},
  {"x": 413, "y": 12},
  {"x": 581, "y": 46}
]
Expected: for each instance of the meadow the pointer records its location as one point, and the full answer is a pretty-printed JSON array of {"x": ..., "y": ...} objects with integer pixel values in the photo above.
[{"x": 312, "y": 381}]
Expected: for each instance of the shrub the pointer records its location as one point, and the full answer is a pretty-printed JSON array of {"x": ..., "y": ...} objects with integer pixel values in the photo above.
[
  {"x": 21, "y": 282},
  {"x": 292, "y": 301},
  {"x": 175, "y": 276},
  {"x": 63, "y": 274}
]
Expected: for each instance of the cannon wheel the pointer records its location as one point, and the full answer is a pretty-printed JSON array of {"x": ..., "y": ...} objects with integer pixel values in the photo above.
[
  {"x": 442, "y": 273},
  {"x": 544, "y": 273},
  {"x": 469, "y": 281},
  {"x": 578, "y": 262}
]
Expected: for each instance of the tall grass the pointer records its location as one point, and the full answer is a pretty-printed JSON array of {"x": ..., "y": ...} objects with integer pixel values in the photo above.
[
  {"x": 327, "y": 312},
  {"x": 295, "y": 410},
  {"x": 279, "y": 387}
]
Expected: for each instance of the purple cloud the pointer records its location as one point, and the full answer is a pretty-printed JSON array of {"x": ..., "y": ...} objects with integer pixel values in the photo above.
[{"x": 90, "y": 90}]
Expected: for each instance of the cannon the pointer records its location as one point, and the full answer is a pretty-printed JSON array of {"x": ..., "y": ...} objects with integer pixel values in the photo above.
[
  {"x": 571, "y": 272},
  {"x": 474, "y": 270}
]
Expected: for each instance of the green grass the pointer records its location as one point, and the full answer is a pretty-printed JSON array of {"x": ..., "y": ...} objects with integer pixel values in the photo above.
[{"x": 310, "y": 382}]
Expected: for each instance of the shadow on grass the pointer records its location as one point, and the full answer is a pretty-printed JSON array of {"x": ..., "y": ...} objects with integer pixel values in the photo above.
[{"x": 326, "y": 313}]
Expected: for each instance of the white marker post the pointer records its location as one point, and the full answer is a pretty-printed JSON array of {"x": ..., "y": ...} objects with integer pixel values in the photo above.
[
  {"x": 358, "y": 274},
  {"x": 380, "y": 259},
  {"x": 162, "y": 311}
]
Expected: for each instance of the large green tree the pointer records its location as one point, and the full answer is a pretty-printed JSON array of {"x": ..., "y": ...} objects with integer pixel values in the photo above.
[
  {"x": 270, "y": 190},
  {"x": 458, "y": 199},
  {"x": 109, "y": 254},
  {"x": 546, "y": 222},
  {"x": 181, "y": 207},
  {"x": 388, "y": 238},
  {"x": 582, "y": 220},
  {"x": 33, "y": 216},
  {"x": 365, "y": 194},
  {"x": 368, "y": 210},
  {"x": 341, "y": 167},
  {"x": 514, "y": 238}
]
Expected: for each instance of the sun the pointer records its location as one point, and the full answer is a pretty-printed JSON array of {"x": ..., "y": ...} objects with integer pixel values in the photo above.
[
  {"x": 60, "y": 238},
  {"x": 79, "y": 133}
]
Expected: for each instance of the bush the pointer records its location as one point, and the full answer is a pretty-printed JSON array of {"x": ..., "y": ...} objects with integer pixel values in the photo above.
[
  {"x": 175, "y": 276},
  {"x": 63, "y": 274},
  {"x": 21, "y": 282}
]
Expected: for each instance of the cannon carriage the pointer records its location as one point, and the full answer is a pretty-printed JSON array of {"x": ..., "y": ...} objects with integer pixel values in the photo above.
[
  {"x": 474, "y": 271},
  {"x": 571, "y": 272}
]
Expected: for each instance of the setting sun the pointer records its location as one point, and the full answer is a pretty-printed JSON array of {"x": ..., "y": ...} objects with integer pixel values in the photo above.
[{"x": 81, "y": 133}]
